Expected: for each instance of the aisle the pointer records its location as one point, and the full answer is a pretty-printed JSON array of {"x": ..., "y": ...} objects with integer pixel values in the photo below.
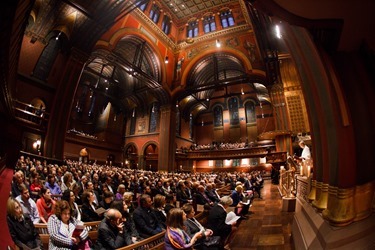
[
  {"x": 267, "y": 227},
  {"x": 6, "y": 178}
]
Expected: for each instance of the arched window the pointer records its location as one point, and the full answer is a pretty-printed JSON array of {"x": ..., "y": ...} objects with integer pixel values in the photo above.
[
  {"x": 250, "y": 112},
  {"x": 133, "y": 119},
  {"x": 209, "y": 24},
  {"x": 155, "y": 13},
  {"x": 154, "y": 118},
  {"x": 166, "y": 24},
  {"x": 227, "y": 19},
  {"x": 233, "y": 111},
  {"x": 218, "y": 116},
  {"x": 48, "y": 57},
  {"x": 192, "y": 29},
  {"x": 142, "y": 5}
]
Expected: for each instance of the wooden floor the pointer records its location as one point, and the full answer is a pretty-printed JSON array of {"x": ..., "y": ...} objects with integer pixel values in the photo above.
[{"x": 267, "y": 226}]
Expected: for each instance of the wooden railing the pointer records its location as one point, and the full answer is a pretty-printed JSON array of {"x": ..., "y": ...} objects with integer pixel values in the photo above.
[
  {"x": 32, "y": 115},
  {"x": 92, "y": 228}
]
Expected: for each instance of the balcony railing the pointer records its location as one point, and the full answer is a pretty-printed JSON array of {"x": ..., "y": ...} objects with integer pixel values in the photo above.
[{"x": 33, "y": 116}]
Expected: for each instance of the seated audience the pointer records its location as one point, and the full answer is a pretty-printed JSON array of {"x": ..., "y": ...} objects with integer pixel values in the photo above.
[
  {"x": 216, "y": 221},
  {"x": 77, "y": 193},
  {"x": 181, "y": 194},
  {"x": 61, "y": 228},
  {"x": 21, "y": 227},
  {"x": 35, "y": 187},
  {"x": 238, "y": 197},
  {"x": 18, "y": 179},
  {"x": 69, "y": 196},
  {"x": 201, "y": 198},
  {"x": 211, "y": 193},
  {"x": 131, "y": 234},
  {"x": 193, "y": 226},
  {"x": 170, "y": 201},
  {"x": 159, "y": 204},
  {"x": 176, "y": 237},
  {"x": 45, "y": 204},
  {"x": 67, "y": 181},
  {"x": 52, "y": 185},
  {"x": 128, "y": 199},
  {"x": 89, "y": 208},
  {"x": 28, "y": 205},
  {"x": 120, "y": 192},
  {"x": 145, "y": 221},
  {"x": 107, "y": 200},
  {"x": 111, "y": 231}
]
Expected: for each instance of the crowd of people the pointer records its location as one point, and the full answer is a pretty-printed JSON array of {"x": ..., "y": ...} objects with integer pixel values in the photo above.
[{"x": 131, "y": 204}]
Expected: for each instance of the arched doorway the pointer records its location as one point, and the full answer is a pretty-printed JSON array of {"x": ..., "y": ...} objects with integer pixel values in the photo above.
[
  {"x": 151, "y": 153},
  {"x": 131, "y": 156}
]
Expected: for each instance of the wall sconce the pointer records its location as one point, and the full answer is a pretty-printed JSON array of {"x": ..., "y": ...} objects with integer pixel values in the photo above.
[
  {"x": 36, "y": 145},
  {"x": 166, "y": 60},
  {"x": 242, "y": 93},
  {"x": 218, "y": 44}
]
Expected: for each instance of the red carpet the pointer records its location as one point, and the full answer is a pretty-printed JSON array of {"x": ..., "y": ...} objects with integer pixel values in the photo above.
[{"x": 5, "y": 180}]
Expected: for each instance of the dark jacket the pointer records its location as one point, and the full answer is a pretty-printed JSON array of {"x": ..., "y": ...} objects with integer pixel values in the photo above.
[
  {"x": 24, "y": 233},
  {"x": 216, "y": 221},
  {"x": 109, "y": 237},
  {"x": 146, "y": 222},
  {"x": 89, "y": 214}
]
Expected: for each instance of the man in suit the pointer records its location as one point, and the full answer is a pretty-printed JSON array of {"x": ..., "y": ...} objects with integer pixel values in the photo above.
[
  {"x": 111, "y": 231},
  {"x": 145, "y": 220},
  {"x": 216, "y": 221}
]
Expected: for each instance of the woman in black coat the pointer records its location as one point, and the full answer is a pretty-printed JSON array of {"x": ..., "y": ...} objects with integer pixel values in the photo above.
[{"x": 21, "y": 227}]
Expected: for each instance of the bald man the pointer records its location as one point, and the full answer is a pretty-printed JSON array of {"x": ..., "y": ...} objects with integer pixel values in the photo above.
[{"x": 111, "y": 231}]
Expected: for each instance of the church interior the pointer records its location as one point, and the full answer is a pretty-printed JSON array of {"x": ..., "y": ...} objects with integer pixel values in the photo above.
[{"x": 202, "y": 86}]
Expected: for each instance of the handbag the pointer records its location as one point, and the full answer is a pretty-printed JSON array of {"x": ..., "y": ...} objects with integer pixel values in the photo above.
[{"x": 212, "y": 241}]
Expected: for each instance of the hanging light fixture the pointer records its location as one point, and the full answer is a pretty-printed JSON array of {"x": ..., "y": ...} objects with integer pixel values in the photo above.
[
  {"x": 153, "y": 108},
  {"x": 218, "y": 44},
  {"x": 176, "y": 104},
  {"x": 166, "y": 60},
  {"x": 58, "y": 36},
  {"x": 242, "y": 93},
  {"x": 133, "y": 112}
]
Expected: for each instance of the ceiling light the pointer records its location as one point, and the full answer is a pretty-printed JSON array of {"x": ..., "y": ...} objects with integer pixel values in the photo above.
[
  {"x": 218, "y": 44},
  {"x": 166, "y": 60},
  {"x": 277, "y": 31},
  {"x": 242, "y": 93}
]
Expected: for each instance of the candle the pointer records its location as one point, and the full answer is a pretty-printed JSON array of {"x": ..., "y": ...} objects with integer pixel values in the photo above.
[{"x": 301, "y": 170}]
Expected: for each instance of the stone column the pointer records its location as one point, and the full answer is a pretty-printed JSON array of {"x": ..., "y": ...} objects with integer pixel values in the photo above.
[
  {"x": 62, "y": 106},
  {"x": 167, "y": 137}
]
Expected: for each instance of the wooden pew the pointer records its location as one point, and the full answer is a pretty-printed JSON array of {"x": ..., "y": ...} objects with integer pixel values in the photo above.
[
  {"x": 155, "y": 242},
  {"x": 92, "y": 228}
]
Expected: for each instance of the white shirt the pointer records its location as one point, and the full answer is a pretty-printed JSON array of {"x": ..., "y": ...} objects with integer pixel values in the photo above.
[{"x": 306, "y": 153}]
